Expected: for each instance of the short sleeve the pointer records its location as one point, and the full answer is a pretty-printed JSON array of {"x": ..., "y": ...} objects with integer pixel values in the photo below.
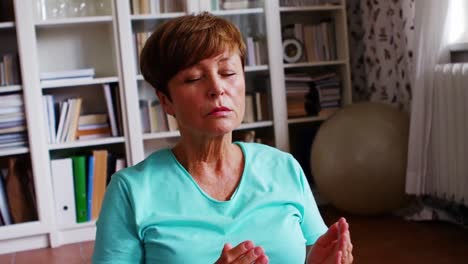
[
  {"x": 312, "y": 223},
  {"x": 117, "y": 238}
]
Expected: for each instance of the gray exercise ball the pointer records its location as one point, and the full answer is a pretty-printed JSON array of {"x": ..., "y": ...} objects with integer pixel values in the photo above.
[{"x": 358, "y": 158}]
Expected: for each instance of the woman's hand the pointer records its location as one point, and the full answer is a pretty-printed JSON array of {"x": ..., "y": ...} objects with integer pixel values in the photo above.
[
  {"x": 333, "y": 247},
  {"x": 244, "y": 253}
]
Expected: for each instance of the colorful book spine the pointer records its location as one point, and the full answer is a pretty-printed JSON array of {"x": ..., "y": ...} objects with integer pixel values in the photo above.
[{"x": 79, "y": 174}]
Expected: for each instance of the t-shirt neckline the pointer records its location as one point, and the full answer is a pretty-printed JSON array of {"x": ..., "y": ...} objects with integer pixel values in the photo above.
[{"x": 239, "y": 185}]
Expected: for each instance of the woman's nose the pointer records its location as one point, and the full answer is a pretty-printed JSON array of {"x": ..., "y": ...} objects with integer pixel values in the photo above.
[{"x": 216, "y": 87}]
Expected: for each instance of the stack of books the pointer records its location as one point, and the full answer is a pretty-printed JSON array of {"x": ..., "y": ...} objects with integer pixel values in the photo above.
[
  {"x": 12, "y": 122},
  {"x": 93, "y": 126},
  {"x": 9, "y": 70},
  {"x": 312, "y": 95},
  {"x": 328, "y": 87},
  {"x": 296, "y": 93}
]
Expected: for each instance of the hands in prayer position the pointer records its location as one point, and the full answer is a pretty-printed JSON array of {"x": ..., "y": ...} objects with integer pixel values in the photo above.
[
  {"x": 244, "y": 253},
  {"x": 333, "y": 247}
]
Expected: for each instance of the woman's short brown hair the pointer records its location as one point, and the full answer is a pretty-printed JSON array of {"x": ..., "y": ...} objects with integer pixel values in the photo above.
[{"x": 183, "y": 42}]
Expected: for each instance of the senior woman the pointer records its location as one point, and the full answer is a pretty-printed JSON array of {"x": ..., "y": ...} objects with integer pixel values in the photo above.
[{"x": 208, "y": 199}]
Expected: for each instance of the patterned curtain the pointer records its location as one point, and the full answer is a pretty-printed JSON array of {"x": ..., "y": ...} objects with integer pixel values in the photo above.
[{"x": 381, "y": 38}]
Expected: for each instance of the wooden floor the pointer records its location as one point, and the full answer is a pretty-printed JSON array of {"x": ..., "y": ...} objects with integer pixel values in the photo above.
[{"x": 377, "y": 240}]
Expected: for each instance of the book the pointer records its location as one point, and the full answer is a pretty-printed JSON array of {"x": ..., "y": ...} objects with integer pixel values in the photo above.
[
  {"x": 18, "y": 116},
  {"x": 250, "y": 51},
  {"x": 234, "y": 4},
  {"x": 118, "y": 109},
  {"x": 4, "y": 207},
  {"x": 249, "y": 115},
  {"x": 61, "y": 123},
  {"x": 144, "y": 116},
  {"x": 111, "y": 163},
  {"x": 12, "y": 100},
  {"x": 119, "y": 164},
  {"x": 100, "y": 180},
  {"x": 90, "y": 187},
  {"x": 12, "y": 129},
  {"x": 10, "y": 110},
  {"x": 64, "y": 192},
  {"x": 74, "y": 118},
  {"x": 98, "y": 131},
  {"x": 172, "y": 123},
  {"x": 20, "y": 197},
  {"x": 155, "y": 6},
  {"x": 144, "y": 6},
  {"x": 66, "y": 124},
  {"x": 110, "y": 109},
  {"x": 10, "y": 124},
  {"x": 94, "y": 126},
  {"x": 67, "y": 74},
  {"x": 92, "y": 119},
  {"x": 153, "y": 116},
  {"x": 51, "y": 117},
  {"x": 79, "y": 176},
  {"x": 261, "y": 106}
]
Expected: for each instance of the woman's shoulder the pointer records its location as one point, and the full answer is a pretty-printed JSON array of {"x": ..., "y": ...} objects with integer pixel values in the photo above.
[
  {"x": 155, "y": 163},
  {"x": 265, "y": 152}
]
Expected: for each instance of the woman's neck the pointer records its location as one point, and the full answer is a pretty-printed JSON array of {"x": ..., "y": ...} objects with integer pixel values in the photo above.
[
  {"x": 211, "y": 153},
  {"x": 216, "y": 165}
]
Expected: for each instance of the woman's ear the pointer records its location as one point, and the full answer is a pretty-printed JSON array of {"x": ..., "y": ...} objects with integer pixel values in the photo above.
[{"x": 166, "y": 103}]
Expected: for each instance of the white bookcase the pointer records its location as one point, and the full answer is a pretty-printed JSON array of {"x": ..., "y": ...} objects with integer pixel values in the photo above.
[{"x": 106, "y": 43}]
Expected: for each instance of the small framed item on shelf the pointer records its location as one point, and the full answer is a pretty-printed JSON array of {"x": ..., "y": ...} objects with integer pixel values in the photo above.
[{"x": 292, "y": 50}]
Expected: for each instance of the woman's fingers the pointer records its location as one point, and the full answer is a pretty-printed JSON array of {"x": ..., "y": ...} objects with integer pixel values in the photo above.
[
  {"x": 330, "y": 236},
  {"x": 346, "y": 247},
  {"x": 244, "y": 253},
  {"x": 253, "y": 255},
  {"x": 229, "y": 253}
]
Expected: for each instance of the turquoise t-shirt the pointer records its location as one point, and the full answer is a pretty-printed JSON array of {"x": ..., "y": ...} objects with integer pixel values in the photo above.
[{"x": 154, "y": 212}]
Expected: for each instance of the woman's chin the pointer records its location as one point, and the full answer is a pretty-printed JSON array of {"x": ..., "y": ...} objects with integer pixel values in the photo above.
[{"x": 222, "y": 128}]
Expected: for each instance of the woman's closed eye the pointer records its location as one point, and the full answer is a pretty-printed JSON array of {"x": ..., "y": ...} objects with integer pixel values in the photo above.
[
  {"x": 227, "y": 74},
  {"x": 192, "y": 79}
]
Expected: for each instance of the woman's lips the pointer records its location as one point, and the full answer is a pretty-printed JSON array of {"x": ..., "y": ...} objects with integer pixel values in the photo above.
[{"x": 220, "y": 111}]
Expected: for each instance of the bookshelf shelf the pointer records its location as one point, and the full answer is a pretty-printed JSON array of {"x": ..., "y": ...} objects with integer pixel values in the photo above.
[
  {"x": 7, "y": 25},
  {"x": 10, "y": 88},
  {"x": 87, "y": 143},
  {"x": 156, "y": 16},
  {"x": 311, "y": 8},
  {"x": 159, "y": 135},
  {"x": 23, "y": 229},
  {"x": 79, "y": 225},
  {"x": 235, "y": 12},
  {"x": 75, "y": 20},
  {"x": 307, "y": 119},
  {"x": 13, "y": 151},
  {"x": 315, "y": 64},
  {"x": 253, "y": 125},
  {"x": 77, "y": 82},
  {"x": 256, "y": 68}
]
